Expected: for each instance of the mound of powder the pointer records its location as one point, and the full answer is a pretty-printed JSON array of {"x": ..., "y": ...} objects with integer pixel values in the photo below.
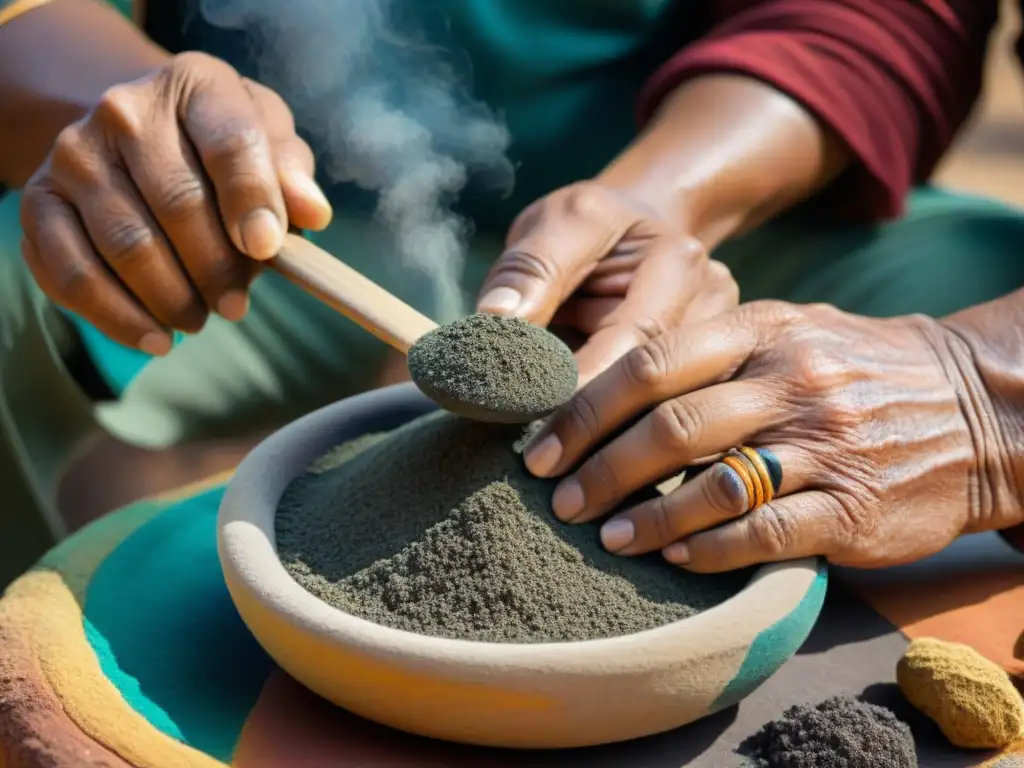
[
  {"x": 493, "y": 368},
  {"x": 840, "y": 732},
  {"x": 437, "y": 528},
  {"x": 1011, "y": 761},
  {"x": 968, "y": 696}
]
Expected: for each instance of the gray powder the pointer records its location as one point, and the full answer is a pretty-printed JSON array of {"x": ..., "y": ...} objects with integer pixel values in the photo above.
[
  {"x": 493, "y": 368},
  {"x": 840, "y": 732},
  {"x": 1011, "y": 761},
  {"x": 438, "y": 529}
]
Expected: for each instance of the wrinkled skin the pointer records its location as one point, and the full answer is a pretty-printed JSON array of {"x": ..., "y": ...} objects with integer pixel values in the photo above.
[
  {"x": 593, "y": 259},
  {"x": 884, "y": 429},
  {"x": 155, "y": 208}
]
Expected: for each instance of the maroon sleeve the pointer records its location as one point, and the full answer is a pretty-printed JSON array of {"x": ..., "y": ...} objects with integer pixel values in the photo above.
[{"x": 894, "y": 79}]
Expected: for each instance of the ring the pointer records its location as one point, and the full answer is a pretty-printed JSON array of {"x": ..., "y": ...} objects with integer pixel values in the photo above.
[{"x": 759, "y": 470}]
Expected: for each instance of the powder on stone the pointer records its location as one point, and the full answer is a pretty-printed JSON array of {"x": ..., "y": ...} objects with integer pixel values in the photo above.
[
  {"x": 494, "y": 368},
  {"x": 438, "y": 529},
  {"x": 840, "y": 732}
]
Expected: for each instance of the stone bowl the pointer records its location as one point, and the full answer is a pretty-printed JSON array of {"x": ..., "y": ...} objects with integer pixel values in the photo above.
[{"x": 546, "y": 695}]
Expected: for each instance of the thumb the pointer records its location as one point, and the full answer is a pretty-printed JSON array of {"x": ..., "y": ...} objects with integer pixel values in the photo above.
[
  {"x": 550, "y": 254},
  {"x": 308, "y": 207}
]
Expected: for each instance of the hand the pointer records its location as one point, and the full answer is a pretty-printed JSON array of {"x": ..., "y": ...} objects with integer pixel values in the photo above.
[
  {"x": 882, "y": 428},
  {"x": 154, "y": 208},
  {"x": 591, "y": 258}
]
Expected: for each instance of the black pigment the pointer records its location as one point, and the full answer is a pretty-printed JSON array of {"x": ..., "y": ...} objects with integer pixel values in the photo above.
[
  {"x": 437, "y": 528},
  {"x": 840, "y": 732},
  {"x": 493, "y": 368}
]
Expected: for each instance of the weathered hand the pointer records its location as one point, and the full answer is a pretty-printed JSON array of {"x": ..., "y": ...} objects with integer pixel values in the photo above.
[
  {"x": 597, "y": 261},
  {"x": 882, "y": 427},
  {"x": 143, "y": 215}
]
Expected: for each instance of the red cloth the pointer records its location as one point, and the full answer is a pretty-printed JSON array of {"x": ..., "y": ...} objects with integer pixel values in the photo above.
[{"x": 895, "y": 79}]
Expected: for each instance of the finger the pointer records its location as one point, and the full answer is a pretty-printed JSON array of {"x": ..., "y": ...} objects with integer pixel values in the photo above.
[
  {"x": 788, "y": 528},
  {"x": 712, "y": 498},
  {"x": 675, "y": 363},
  {"x": 307, "y": 206},
  {"x": 612, "y": 275},
  {"x": 674, "y": 435},
  {"x": 226, "y": 129},
  {"x": 62, "y": 261},
  {"x": 585, "y": 314},
  {"x": 122, "y": 232},
  {"x": 169, "y": 177},
  {"x": 663, "y": 285},
  {"x": 542, "y": 268},
  {"x": 722, "y": 295}
]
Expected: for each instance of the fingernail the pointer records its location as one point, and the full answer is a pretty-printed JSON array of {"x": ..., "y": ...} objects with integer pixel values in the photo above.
[
  {"x": 615, "y": 534},
  {"x": 677, "y": 554},
  {"x": 262, "y": 234},
  {"x": 500, "y": 301},
  {"x": 308, "y": 187},
  {"x": 156, "y": 344},
  {"x": 542, "y": 458},
  {"x": 233, "y": 305},
  {"x": 568, "y": 500}
]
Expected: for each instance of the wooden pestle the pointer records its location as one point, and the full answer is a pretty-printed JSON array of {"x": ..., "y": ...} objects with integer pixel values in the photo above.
[{"x": 356, "y": 297}]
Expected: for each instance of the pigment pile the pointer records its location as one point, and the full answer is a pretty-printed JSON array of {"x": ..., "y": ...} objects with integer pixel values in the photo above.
[
  {"x": 438, "y": 529},
  {"x": 969, "y": 697},
  {"x": 492, "y": 368},
  {"x": 840, "y": 732}
]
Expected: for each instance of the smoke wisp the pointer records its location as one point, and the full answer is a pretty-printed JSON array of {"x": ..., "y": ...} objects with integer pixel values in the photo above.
[{"x": 388, "y": 111}]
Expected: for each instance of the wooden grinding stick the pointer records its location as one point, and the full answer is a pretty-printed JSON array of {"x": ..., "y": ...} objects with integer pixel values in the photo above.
[{"x": 356, "y": 297}]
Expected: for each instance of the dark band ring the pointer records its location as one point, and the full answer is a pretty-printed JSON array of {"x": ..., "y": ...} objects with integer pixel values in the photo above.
[{"x": 760, "y": 472}]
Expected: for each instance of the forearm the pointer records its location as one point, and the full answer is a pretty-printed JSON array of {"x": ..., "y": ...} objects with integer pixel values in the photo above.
[
  {"x": 991, "y": 337},
  {"x": 726, "y": 152},
  {"x": 55, "y": 62}
]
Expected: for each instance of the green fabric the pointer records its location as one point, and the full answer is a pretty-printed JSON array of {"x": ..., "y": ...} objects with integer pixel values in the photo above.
[
  {"x": 774, "y": 646},
  {"x": 155, "y": 652}
]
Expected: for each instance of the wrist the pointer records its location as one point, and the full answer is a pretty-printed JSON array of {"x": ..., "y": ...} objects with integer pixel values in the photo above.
[
  {"x": 725, "y": 152},
  {"x": 990, "y": 385},
  {"x": 56, "y": 61}
]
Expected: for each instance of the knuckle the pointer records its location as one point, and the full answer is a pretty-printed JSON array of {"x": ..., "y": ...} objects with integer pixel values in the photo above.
[
  {"x": 772, "y": 532},
  {"x": 523, "y": 262},
  {"x": 32, "y": 212},
  {"x": 599, "y": 475},
  {"x": 71, "y": 157},
  {"x": 587, "y": 202},
  {"x": 691, "y": 249},
  {"x": 675, "y": 425},
  {"x": 74, "y": 286},
  {"x": 774, "y": 311},
  {"x": 231, "y": 142},
  {"x": 853, "y": 523},
  {"x": 648, "y": 327},
  {"x": 192, "y": 63},
  {"x": 118, "y": 109},
  {"x": 220, "y": 273},
  {"x": 184, "y": 312},
  {"x": 662, "y": 529},
  {"x": 583, "y": 418},
  {"x": 649, "y": 365},
  {"x": 126, "y": 243},
  {"x": 817, "y": 371},
  {"x": 182, "y": 197}
]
